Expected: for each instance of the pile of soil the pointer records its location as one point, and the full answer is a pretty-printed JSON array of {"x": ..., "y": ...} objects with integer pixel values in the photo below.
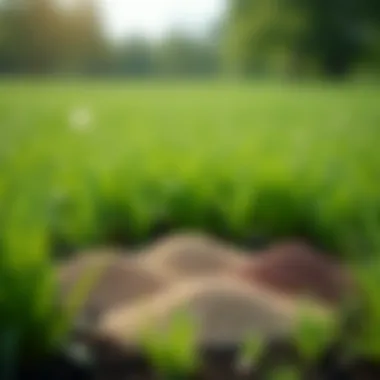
[
  {"x": 228, "y": 296},
  {"x": 295, "y": 268},
  {"x": 223, "y": 312},
  {"x": 192, "y": 255},
  {"x": 121, "y": 281}
]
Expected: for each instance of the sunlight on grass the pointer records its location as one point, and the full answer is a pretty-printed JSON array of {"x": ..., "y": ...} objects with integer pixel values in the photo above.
[{"x": 236, "y": 160}]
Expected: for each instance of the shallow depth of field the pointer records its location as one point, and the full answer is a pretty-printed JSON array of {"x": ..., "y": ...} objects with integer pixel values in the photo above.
[
  {"x": 178, "y": 179},
  {"x": 116, "y": 162},
  {"x": 89, "y": 164}
]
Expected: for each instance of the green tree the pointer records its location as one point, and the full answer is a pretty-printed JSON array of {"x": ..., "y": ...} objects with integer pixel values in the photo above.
[
  {"x": 182, "y": 55},
  {"x": 135, "y": 57},
  {"x": 29, "y": 35},
  {"x": 84, "y": 40},
  {"x": 332, "y": 35},
  {"x": 40, "y": 36}
]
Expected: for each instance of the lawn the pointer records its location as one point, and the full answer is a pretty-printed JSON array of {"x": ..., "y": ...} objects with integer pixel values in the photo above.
[
  {"x": 89, "y": 163},
  {"x": 112, "y": 161}
]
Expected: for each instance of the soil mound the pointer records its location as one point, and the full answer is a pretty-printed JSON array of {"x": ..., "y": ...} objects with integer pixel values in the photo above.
[
  {"x": 189, "y": 255},
  {"x": 297, "y": 269},
  {"x": 222, "y": 311},
  {"x": 121, "y": 281}
]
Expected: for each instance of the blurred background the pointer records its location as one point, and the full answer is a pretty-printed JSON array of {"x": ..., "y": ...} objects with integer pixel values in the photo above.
[
  {"x": 121, "y": 121},
  {"x": 294, "y": 38}
]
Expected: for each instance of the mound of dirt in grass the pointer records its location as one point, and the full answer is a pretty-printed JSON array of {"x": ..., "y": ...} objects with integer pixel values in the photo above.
[
  {"x": 192, "y": 254},
  {"x": 297, "y": 269},
  {"x": 119, "y": 281},
  {"x": 222, "y": 311}
]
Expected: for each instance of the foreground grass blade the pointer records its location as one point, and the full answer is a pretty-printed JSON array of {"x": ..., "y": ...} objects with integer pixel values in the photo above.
[
  {"x": 9, "y": 353},
  {"x": 75, "y": 301},
  {"x": 173, "y": 352}
]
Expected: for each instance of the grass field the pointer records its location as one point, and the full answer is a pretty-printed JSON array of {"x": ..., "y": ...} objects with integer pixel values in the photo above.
[
  {"x": 99, "y": 162},
  {"x": 113, "y": 160}
]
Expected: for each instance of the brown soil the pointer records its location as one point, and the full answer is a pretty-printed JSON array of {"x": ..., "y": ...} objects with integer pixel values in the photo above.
[
  {"x": 189, "y": 255},
  {"x": 297, "y": 269},
  {"x": 121, "y": 281},
  {"x": 223, "y": 311},
  {"x": 228, "y": 296}
]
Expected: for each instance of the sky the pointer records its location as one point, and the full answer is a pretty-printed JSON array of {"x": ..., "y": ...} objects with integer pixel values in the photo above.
[{"x": 154, "y": 18}]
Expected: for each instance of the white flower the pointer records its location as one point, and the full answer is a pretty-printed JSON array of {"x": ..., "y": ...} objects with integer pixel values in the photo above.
[{"x": 80, "y": 119}]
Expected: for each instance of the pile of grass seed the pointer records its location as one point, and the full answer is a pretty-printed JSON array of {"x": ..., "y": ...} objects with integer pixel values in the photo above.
[{"x": 192, "y": 255}]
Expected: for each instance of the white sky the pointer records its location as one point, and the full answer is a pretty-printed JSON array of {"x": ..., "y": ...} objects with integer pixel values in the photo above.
[{"x": 153, "y": 18}]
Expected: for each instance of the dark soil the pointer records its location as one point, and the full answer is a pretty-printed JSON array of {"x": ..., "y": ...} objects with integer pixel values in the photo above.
[
  {"x": 216, "y": 363},
  {"x": 294, "y": 268}
]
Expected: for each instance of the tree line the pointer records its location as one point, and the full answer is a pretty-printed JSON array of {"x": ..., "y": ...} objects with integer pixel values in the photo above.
[
  {"x": 329, "y": 37},
  {"x": 45, "y": 36},
  {"x": 255, "y": 37}
]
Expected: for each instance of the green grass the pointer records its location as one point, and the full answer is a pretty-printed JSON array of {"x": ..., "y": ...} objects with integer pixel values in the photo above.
[
  {"x": 235, "y": 159},
  {"x": 230, "y": 158},
  {"x": 32, "y": 323}
]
